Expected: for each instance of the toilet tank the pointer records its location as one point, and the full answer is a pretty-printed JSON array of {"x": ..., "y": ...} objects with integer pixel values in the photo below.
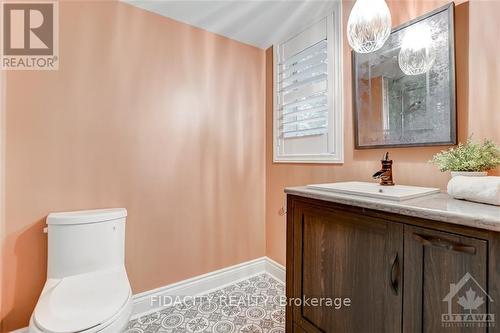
[{"x": 85, "y": 241}]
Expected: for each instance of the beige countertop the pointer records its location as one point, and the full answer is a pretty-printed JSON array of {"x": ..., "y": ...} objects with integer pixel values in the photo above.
[{"x": 438, "y": 207}]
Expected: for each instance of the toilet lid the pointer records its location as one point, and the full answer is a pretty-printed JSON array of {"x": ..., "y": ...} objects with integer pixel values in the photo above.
[{"x": 82, "y": 301}]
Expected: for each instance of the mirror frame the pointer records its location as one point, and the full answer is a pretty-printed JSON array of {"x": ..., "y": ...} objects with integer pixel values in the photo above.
[{"x": 452, "y": 84}]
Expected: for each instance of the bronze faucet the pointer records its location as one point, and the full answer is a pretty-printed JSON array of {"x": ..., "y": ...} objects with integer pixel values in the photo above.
[{"x": 385, "y": 174}]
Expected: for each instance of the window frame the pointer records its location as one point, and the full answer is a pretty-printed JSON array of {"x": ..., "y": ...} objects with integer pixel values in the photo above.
[{"x": 335, "y": 105}]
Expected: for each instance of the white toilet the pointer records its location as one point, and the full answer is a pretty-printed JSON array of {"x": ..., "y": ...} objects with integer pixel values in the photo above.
[{"x": 87, "y": 288}]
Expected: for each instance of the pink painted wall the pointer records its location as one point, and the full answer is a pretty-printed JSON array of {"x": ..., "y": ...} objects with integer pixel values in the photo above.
[
  {"x": 477, "y": 75},
  {"x": 145, "y": 113},
  {"x": 484, "y": 69}
]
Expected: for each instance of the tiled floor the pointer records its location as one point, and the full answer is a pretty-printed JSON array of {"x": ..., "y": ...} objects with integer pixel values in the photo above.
[{"x": 249, "y": 306}]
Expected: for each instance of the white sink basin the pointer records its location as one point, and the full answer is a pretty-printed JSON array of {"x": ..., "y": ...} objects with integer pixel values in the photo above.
[{"x": 375, "y": 190}]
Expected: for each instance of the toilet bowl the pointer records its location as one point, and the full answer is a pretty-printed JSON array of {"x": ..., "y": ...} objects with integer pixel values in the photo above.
[{"x": 87, "y": 288}]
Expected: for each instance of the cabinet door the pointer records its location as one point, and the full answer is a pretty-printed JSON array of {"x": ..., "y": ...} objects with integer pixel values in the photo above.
[
  {"x": 338, "y": 254},
  {"x": 445, "y": 275}
]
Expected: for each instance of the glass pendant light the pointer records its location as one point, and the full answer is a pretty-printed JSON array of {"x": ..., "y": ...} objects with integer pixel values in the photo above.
[
  {"x": 416, "y": 55},
  {"x": 369, "y": 25}
]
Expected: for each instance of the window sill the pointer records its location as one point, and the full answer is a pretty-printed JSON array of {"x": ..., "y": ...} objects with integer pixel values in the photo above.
[{"x": 302, "y": 160}]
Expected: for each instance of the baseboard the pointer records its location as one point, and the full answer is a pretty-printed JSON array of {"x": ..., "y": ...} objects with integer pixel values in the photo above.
[
  {"x": 275, "y": 269},
  {"x": 202, "y": 284}
]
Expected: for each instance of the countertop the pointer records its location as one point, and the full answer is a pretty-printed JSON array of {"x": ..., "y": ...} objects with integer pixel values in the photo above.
[{"x": 438, "y": 207}]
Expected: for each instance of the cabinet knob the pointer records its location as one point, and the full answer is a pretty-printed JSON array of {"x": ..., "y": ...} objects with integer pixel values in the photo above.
[
  {"x": 444, "y": 243},
  {"x": 394, "y": 274}
]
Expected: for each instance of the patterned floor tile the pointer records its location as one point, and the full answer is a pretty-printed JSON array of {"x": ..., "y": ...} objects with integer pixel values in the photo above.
[{"x": 248, "y": 306}]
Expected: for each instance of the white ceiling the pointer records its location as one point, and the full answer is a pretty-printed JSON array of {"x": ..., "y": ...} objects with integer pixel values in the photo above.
[{"x": 256, "y": 22}]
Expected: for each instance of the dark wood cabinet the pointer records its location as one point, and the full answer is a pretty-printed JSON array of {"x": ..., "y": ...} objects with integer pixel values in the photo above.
[
  {"x": 434, "y": 259},
  {"x": 396, "y": 271},
  {"x": 340, "y": 255}
]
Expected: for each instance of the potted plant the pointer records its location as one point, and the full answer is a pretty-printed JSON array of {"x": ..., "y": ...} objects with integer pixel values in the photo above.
[{"x": 469, "y": 159}]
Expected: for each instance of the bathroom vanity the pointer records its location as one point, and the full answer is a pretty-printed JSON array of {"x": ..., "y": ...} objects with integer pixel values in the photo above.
[{"x": 404, "y": 266}]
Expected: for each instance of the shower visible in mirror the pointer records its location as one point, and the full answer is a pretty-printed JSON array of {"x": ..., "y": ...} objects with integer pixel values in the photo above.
[{"x": 404, "y": 93}]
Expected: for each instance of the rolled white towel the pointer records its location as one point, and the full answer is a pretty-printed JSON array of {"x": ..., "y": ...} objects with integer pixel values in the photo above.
[{"x": 478, "y": 189}]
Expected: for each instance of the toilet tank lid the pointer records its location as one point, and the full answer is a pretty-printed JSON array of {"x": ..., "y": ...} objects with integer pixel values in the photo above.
[{"x": 86, "y": 216}]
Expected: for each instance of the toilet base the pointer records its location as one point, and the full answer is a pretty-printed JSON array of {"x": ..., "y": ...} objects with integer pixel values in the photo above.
[{"x": 117, "y": 323}]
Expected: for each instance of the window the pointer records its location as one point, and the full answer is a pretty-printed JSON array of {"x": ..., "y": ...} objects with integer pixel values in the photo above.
[{"x": 308, "y": 121}]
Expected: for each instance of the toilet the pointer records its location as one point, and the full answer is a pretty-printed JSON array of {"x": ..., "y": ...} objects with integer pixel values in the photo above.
[{"x": 87, "y": 288}]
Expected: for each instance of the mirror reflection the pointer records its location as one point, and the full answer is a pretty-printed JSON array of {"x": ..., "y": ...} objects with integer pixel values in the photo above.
[{"x": 404, "y": 93}]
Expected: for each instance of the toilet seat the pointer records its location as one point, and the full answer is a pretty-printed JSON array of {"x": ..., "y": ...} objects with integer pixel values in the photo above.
[{"x": 82, "y": 302}]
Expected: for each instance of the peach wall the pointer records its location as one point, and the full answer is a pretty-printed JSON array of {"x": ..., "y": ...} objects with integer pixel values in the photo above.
[
  {"x": 2, "y": 188},
  {"x": 145, "y": 113},
  {"x": 484, "y": 74},
  {"x": 477, "y": 74}
]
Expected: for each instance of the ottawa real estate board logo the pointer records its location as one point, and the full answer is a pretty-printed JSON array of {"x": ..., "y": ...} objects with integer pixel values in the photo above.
[
  {"x": 467, "y": 305},
  {"x": 29, "y": 35}
]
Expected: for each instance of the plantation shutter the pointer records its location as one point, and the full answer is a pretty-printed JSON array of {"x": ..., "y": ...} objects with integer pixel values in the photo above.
[{"x": 302, "y": 93}]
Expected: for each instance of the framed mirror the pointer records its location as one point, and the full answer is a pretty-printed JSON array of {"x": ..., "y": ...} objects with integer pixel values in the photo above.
[{"x": 404, "y": 93}]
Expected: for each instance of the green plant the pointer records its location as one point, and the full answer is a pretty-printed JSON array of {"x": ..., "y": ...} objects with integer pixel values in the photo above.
[{"x": 469, "y": 157}]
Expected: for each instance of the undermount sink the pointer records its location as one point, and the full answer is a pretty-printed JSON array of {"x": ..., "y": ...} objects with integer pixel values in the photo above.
[{"x": 375, "y": 190}]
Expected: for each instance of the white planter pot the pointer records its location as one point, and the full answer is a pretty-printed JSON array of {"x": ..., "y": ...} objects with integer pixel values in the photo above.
[{"x": 469, "y": 173}]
